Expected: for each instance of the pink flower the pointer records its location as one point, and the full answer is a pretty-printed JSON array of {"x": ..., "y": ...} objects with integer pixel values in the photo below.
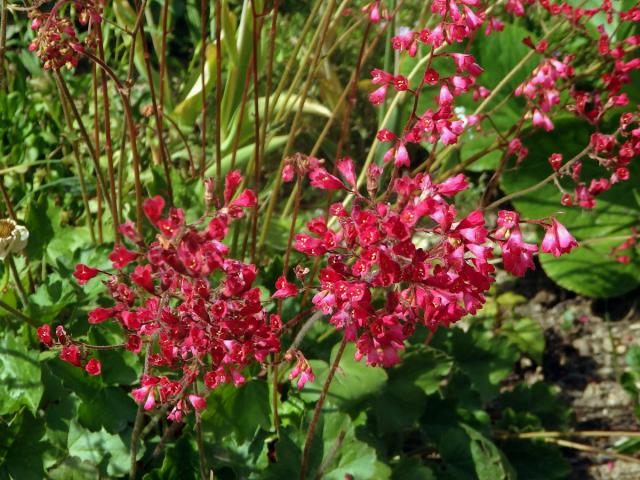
[
  {"x": 288, "y": 172},
  {"x": 44, "y": 334},
  {"x": 445, "y": 97},
  {"x": 99, "y": 315},
  {"x": 557, "y": 239},
  {"x": 347, "y": 170},
  {"x": 121, "y": 257},
  {"x": 285, "y": 289},
  {"x": 231, "y": 183},
  {"x": 541, "y": 120},
  {"x": 374, "y": 12},
  {"x": 378, "y": 95},
  {"x": 401, "y": 156},
  {"x": 93, "y": 367},
  {"x": 153, "y": 208},
  {"x": 246, "y": 199},
  {"x": 517, "y": 256},
  {"x": 83, "y": 273},
  {"x": 199, "y": 403},
  {"x": 453, "y": 185},
  {"x": 142, "y": 276},
  {"x": 70, "y": 354},
  {"x": 320, "y": 178},
  {"x": 305, "y": 376}
]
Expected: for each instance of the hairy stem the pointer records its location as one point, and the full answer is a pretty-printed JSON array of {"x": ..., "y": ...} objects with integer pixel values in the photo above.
[
  {"x": 108, "y": 143},
  {"x": 278, "y": 177},
  {"x": 3, "y": 44},
  {"x": 218, "y": 132},
  {"x": 203, "y": 107},
  {"x": 137, "y": 425},
  {"x": 87, "y": 140},
  {"x": 540, "y": 184},
  {"x": 76, "y": 156},
  {"x": 316, "y": 412}
]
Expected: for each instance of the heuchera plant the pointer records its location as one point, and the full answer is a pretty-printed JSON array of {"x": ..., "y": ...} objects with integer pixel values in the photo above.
[{"x": 396, "y": 252}]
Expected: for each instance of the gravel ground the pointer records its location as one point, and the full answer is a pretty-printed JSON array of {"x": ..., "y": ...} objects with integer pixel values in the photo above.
[{"x": 586, "y": 342}]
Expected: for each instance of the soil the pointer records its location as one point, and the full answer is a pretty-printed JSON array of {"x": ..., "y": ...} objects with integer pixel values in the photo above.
[{"x": 586, "y": 342}]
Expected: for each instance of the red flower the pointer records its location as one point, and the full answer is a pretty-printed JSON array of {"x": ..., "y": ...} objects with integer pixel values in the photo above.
[
  {"x": 99, "y": 315},
  {"x": 134, "y": 343},
  {"x": 153, "y": 208},
  {"x": 83, "y": 273},
  {"x": 557, "y": 240},
  {"x": 44, "y": 334},
  {"x": 198, "y": 402},
  {"x": 555, "y": 160},
  {"x": 231, "y": 183},
  {"x": 347, "y": 170},
  {"x": 245, "y": 199},
  {"x": 142, "y": 276},
  {"x": 93, "y": 367},
  {"x": 121, "y": 257},
  {"x": 320, "y": 178},
  {"x": 285, "y": 289},
  {"x": 71, "y": 354}
]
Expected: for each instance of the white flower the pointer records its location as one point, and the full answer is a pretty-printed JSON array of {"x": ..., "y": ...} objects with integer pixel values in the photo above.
[{"x": 13, "y": 237}]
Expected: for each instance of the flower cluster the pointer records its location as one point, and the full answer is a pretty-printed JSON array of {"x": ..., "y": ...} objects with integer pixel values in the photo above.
[
  {"x": 56, "y": 42},
  {"x": 194, "y": 311},
  {"x": 613, "y": 152},
  {"x": 430, "y": 126},
  {"x": 541, "y": 89},
  {"x": 395, "y": 264}
]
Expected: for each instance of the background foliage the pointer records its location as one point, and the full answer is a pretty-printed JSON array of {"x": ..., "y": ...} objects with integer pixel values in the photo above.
[{"x": 453, "y": 409}]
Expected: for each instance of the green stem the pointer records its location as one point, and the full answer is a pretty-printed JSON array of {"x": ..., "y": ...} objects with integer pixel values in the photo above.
[
  {"x": 316, "y": 412},
  {"x": 294, "y": 127},
  {"x": 19, "y": 314},
  {"x": 16, "y": 278}
]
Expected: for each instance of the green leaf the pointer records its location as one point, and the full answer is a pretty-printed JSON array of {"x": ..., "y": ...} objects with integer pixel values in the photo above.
[
  {"x": 633, "y": 357},
  {"x": 403, "y": 401},
  {"x": 72, "y": 468},
  {"x": 467, "y": 454},
  {"x": 540, "y": 400},
  {"x": 20, "y": 375},
  {"x": 51, "y": 298},
  {"x": 591, "y": 271},
  {"x": 23, "y": 459},
  {"x": 102, "y": 449},
  {"x": 241, "y": 410},
  {"x": 97, "y": 412},
  {"x": 412, "y": 469},
  {"x": 352, "y": 383},
  {"x": 39, "y": 223},
  {"x": 536, "y": 460},
  {"x": 180, "y": 461},
  {"x": 527, "y": 334},
  {"x": 344, "y": 454},
  {"x": 485, "y": 358},
  {"x": 490, "y": 462},
  {"x": 588, "y": 270}
]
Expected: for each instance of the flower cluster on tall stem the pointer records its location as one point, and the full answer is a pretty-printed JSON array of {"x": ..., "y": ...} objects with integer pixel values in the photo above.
[
  {"x": 407, "y": 258},
  {"x": 181, "y": 293}
]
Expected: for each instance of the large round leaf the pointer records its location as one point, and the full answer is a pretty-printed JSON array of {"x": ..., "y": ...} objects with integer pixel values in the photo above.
[{"x": 589, "y": 270}]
